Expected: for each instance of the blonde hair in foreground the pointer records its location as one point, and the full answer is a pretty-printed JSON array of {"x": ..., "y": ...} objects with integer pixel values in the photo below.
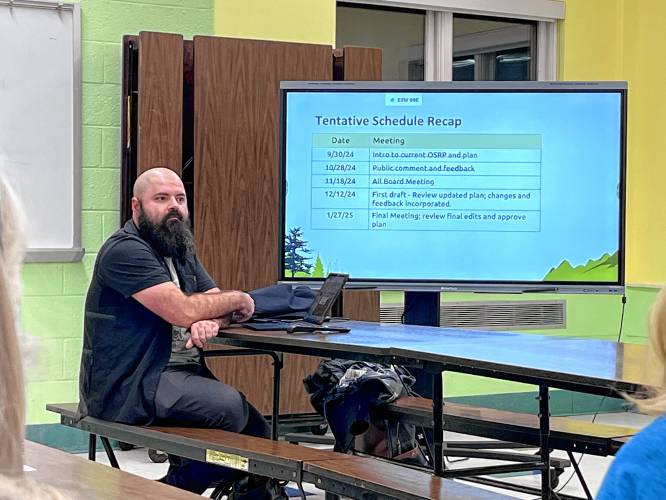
[
  {"x": 11, "y": 390},
  {"x": 13, "y": 484},
  {"x": 20, "y": 488},
  {"x": 655, "y": 401},
  {"x": 11, "y": 377}
]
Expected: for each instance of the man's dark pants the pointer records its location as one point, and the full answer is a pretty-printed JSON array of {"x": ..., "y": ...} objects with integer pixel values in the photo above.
[{"x": 186, "y": 398}]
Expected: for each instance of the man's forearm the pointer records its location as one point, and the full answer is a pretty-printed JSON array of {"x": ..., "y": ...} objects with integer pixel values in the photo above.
[
  {"x": 210, "y": 305},
  {"x": 171, "y": 304}
]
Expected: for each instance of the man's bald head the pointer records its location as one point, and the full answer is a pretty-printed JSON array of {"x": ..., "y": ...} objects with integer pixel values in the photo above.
[
  {"x": 157, "y": 192},
  {"x": 153, "y": 176},
  {"x": 159, "y": 211}
]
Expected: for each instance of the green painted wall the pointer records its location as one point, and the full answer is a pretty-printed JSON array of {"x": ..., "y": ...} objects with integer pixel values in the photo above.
[{"x": 54, "y": 293}]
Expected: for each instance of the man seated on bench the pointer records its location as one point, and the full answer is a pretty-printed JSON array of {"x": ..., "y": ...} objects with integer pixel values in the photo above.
[{"x": 150, "y": 309}]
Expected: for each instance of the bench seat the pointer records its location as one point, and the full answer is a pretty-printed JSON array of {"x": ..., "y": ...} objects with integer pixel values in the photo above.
[
  {"x": 339, "y": 473},
  {"x": 83, "y": 479},
  {"x": 355, "y": 477},
  {"x": 277, "y": 459},
  {"x": 565, "y": 433}
]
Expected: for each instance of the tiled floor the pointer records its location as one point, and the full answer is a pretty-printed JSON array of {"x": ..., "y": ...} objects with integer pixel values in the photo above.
[{"x": 594, "y": 468}]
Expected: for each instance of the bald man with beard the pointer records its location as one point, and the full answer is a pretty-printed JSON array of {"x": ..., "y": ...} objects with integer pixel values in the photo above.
[{"x": 150, "y": 308}]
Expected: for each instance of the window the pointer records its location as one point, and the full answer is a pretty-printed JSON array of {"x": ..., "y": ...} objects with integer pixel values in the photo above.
[
  {"x": 398, "y": 32},
  {"x": 449, "y": 40},
  {"x": 493, "y": 49},
  {"x": 463, "y": 68}
]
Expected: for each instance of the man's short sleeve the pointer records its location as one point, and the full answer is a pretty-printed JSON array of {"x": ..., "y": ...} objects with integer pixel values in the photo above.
[
  {"x": 204, "y": 281},
  {"x": 130, "y": 266}
]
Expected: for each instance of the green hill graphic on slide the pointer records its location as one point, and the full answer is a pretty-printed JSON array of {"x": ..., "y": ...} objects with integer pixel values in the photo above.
[{"x": 604, "y": 268}]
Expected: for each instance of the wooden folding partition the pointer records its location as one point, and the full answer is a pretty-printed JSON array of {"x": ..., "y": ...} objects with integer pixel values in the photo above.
[
  {"x": 234, "y": 116},
  {"x": 359, "y": 63},
  {"x": 236, "y": 128},
  {"x": 152, "y": 108},
  {"x": 160, "y": 129}
]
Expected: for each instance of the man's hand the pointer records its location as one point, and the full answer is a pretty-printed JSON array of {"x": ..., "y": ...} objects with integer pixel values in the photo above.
[
  {"x": 202, "y": 331},
  {"x": 224, "y": 321},
  {"x": 245, "y": 308}
]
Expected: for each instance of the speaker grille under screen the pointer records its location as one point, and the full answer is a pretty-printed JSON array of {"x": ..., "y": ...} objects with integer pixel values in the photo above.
[{"x": 492, "y": 315}]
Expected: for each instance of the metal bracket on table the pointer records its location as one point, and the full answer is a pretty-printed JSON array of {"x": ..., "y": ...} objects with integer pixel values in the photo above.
[
  {"x": 274, "y": 470},
  {"x": 333, "y": 487}
]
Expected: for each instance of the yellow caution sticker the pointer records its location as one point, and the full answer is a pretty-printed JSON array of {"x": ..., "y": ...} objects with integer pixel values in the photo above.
[{"x": 227, "y": 459}]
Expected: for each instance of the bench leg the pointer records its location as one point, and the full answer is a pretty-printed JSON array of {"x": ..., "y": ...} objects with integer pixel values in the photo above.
[
  {"x": 579, "y": 473},
  {"x": 92, "y": 446},
  {"x": 301, "y": 491},
  {"x": 438, "y": 422},
  {"x": 544, "y": 434},
  {"x": 109, "y": 452},
  {"x": 277, "y": 370}
]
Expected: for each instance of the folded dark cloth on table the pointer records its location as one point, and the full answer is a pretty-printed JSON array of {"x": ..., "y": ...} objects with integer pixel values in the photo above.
[{"x": 282, "y": 300}]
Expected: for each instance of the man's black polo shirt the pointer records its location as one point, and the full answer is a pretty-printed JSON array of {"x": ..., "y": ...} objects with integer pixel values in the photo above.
[{"x": 126, "y": 346}]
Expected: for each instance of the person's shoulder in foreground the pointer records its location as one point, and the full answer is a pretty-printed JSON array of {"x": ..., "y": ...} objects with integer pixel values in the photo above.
[{"x": 637, "y": 472}]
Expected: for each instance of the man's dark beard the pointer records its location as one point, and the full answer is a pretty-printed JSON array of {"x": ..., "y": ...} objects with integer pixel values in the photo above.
[{"x": 170, "y": 238}]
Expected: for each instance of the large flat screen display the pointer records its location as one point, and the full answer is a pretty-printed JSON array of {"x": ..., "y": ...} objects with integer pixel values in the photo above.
[{"x": 454, "y": 186}]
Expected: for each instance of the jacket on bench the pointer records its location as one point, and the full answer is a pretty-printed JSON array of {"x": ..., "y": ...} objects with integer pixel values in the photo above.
[{"x": 344, "y": 392}]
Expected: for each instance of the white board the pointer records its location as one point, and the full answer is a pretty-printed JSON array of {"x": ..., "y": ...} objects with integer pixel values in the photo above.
[{"x": 40, "y": 122}]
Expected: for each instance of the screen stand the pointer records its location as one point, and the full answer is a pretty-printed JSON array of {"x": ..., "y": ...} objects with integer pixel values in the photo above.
[{"x": 422, "y": 308}]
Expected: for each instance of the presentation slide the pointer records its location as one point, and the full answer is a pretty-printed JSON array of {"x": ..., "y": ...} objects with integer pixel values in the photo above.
[{"x": 459, "y": 186}]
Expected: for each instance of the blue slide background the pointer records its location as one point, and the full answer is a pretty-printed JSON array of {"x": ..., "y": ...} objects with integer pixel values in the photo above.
[{"x": 580, "y": 177}]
